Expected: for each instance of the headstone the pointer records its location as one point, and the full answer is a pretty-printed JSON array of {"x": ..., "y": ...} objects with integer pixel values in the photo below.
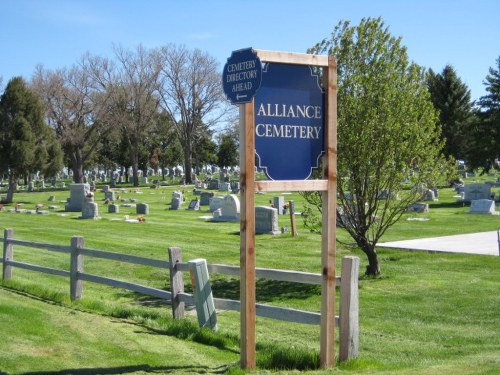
[
  {"x": 430, "y": 196},
  {"x": 144, "y": 180},
  {"x": 230, "y": 210},
  {"x": 419, "y": 207},
  {"x": 235, "y": 187},
  {"x": 224, "y": 186},
  {"x": 483, "y": 206},
  {"x": 78, "y": 193},
  {"x": 178, "y": 194},
  {"x": 31, "y": 186},
  {"x": 110, "y": 195},
  {"x": 52, "y": 198},
  {"x": 105, "y": 188},
  {"x": 142, "y": 209},
  {"x": 266, "y": 220},
  {"x": 476, "y": 192},
  {"x": 113, "y": 209},
  {"x": 90, "y": 209},
  {"x": 175, "y": 204},
  {"x": 279, "y": 204},
  {"x": 213, "y": 185},
  {"x": 205, "y": 198},
  {"x": 194, "y": 205},
  {"x": 215, "y": 203}
]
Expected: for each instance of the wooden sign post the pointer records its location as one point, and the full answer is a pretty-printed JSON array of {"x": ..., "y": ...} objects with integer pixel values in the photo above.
[{"x": 249, "y": 186}]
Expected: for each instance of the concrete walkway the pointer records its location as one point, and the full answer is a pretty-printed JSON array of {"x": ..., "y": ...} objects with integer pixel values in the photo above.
[{"x": 485, "y": 243}]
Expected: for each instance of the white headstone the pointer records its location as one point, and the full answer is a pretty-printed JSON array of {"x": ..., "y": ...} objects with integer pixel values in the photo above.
[
  {"x": 78, "y": 193},
  {"x": 230, "y": 210},
  {"x": 483, "y": 206},
  {"x": 215, "y": 203}
]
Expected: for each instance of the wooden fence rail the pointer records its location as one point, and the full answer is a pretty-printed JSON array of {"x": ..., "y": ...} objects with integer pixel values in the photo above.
[{"x": 202, "y": 298}]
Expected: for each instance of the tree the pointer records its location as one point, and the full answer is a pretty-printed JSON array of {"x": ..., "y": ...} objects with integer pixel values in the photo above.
[
  {"x": 27, "y": 144},
  {"x": 388, "y": 141},
  {"x": 451, "y": 98},
  {"x": 191, "y": 93},
  {"x": 485, "y": 149},
  {"x": 76, "y": 106},
  {"x": 135, "y": 101},
  {"x": 227, "y": 154}
]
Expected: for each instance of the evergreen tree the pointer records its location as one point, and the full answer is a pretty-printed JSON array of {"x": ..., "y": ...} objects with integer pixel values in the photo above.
[
  {"x": 486, "y": 150},
  {"x": 227, "y": 153},
  {"x": 451, "y": 98},
  {"x": 27, "y": 144}
]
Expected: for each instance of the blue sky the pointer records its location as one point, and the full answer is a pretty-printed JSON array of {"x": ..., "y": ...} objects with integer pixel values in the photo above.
[{"x": 56, "y": 33}]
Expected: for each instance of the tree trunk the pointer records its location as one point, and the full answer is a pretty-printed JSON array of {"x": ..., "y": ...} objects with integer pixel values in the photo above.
[
  {"x": 373, "y": 267},
  {"x": 77, "y": 167},
  {"x": 188, "y": 163},
  {"x": 12, "y": 188}
]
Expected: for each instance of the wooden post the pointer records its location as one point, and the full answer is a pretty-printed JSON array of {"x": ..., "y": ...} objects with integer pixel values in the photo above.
[
  {"x": 327, "y": 340},
  {"x": 8, "y": 253},
  {"x": 247, "y": 236},
  {"x": 176, "y": 282},
  {"x": 293, "y": 224},
  {"x": 76, "y": 284},
  {"x": 349, "y": 309},
  {"x": 203, "y": 297}
]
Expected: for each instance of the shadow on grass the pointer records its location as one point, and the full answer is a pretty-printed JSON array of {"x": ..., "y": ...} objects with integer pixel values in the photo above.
[
  {"x": 266, "y": 290},
  {"x": 133, "y": 369}
]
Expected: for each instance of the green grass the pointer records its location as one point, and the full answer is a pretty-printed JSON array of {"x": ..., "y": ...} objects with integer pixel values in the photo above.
[{"x": 426, "y": 314}]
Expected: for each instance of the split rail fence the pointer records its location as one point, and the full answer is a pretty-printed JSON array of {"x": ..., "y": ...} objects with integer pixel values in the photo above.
[{"x": 202, "y": 297}]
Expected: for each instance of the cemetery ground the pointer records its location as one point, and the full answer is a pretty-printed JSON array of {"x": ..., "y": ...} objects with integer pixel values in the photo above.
[{"x": 428, "y": 313}]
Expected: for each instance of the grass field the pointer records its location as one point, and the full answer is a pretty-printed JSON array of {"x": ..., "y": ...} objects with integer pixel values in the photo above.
[{"x": 426, "y": 314}]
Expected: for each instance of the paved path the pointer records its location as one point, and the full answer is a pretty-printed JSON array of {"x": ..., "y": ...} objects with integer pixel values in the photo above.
[{"x": 485, "y": 243}]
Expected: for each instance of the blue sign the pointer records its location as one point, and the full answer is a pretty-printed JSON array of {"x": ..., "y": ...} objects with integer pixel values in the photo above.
[
  {"x": 242, "y": 76},
  {"x": 289, "y": 122}
]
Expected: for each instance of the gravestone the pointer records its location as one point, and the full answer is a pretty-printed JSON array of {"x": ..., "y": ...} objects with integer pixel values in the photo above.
[
  {"x": 230, "y": 210},
  {"x": 90, "y": 209},
  {"x": 235, "y": 187},
  {"x": 224, "y": 186},
  {"x": 419, "y": 207},
  {"x": 78, "y": 193},
  {"x": 476, "y": 192},
  {"x": 266, "y": 220},
  {"x": 31, "y": 186},
  {"x": 430, "y": 195},
  {"x": 279, "y": 204},
  {"x": 205, "y": 198},
  {"x": 178, "y": 194},
  {"x": 194, "y": 205},
  {"x": 213, "y": 185},
  {"x": 176, "y": 203},
  {"x": 142, "y": 209},
  {"x": 105, "y": 188},
  {"x": 215, "y": 203},
  {"x": 52, "y": 198},
  {"x": 483, "y": 206},
  {"x": 110, "y": 195},
  {"x": 113, "y": 209}
]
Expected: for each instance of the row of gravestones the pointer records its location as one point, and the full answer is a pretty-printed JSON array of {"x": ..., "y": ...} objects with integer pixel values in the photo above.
[
  {"x": 82, "y": 200},
  {"x": 227, "y": 209}
]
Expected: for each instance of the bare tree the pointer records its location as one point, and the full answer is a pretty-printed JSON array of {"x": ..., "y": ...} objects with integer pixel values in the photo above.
[
  {"x": 135, "y": 100},
  {"x": 191, "y": 93},
  {"x": 76, "y": 107}
]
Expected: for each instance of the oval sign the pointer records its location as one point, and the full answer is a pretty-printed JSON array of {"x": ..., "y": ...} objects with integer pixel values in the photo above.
[{"x": 242, "y": 76}]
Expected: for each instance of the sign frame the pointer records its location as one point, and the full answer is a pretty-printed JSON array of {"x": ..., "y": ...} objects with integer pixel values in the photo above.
[{"x": 328, "y": 187}]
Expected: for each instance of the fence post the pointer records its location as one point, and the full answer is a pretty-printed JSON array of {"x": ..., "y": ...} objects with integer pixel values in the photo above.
[
  {"x": 76, "y": 284},
  {"x": 202, "y": 293},
  {"x": 176, "y": 282},
  {"x": 8, "y": 253},
  {"x": 349, "y": 309}
]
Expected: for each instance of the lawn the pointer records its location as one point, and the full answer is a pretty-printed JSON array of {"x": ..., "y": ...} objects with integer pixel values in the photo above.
[{"x": 426, "y": 313}]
